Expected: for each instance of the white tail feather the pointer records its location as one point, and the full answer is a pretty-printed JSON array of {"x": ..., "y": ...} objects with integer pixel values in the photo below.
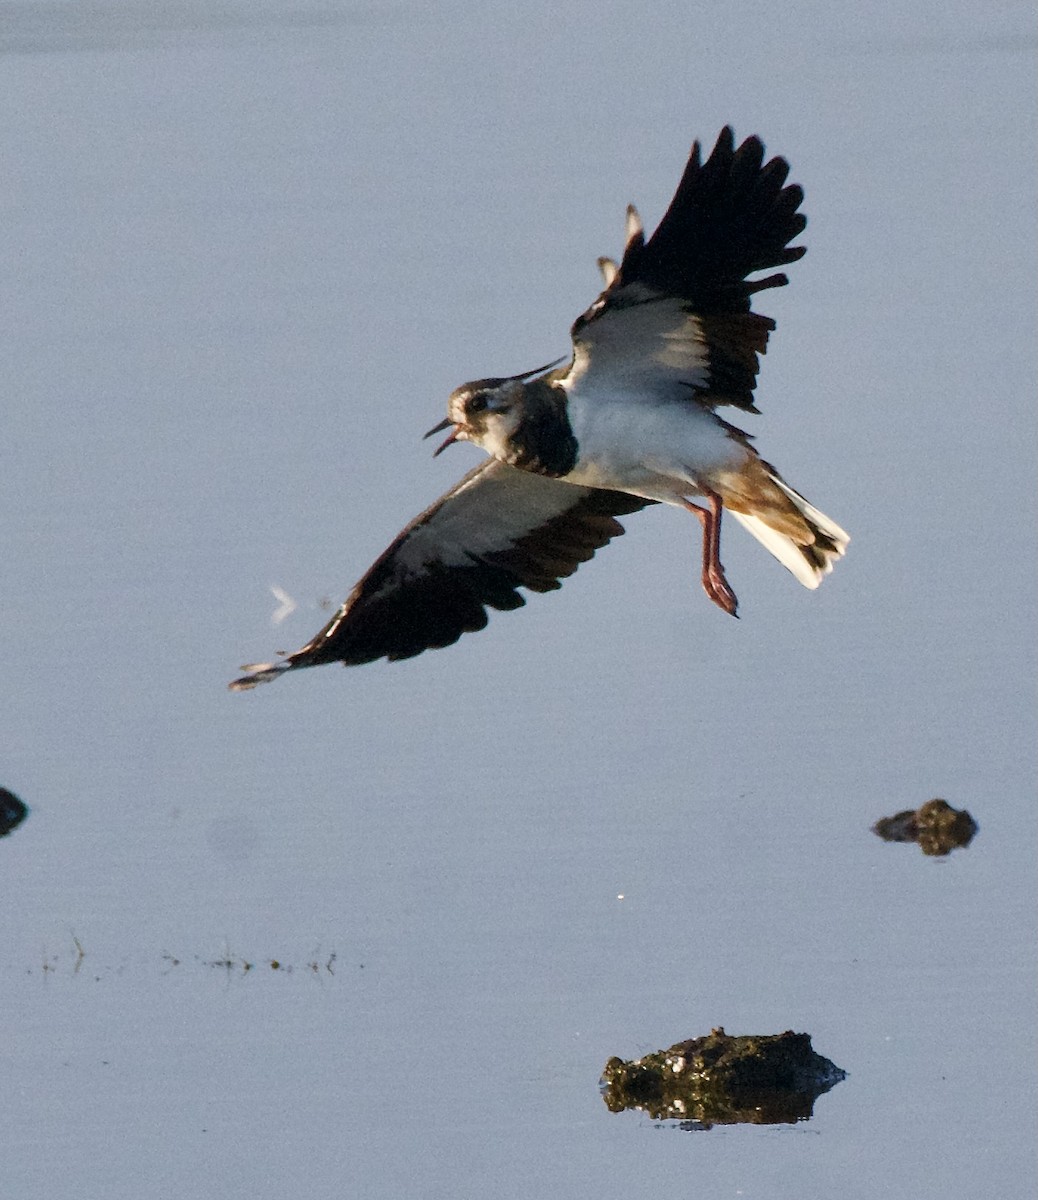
[{"x": 810, "y": 564}]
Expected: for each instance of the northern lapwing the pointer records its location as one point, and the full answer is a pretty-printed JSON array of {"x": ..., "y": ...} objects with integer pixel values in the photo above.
[{"x": 630, "y": 421}]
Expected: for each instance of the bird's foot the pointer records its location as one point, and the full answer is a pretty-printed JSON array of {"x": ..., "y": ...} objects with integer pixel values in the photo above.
[{"x": 717, "y": 588}]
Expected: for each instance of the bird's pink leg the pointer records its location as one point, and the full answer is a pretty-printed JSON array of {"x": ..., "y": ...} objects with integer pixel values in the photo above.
[{"x": 714, "y": 582}]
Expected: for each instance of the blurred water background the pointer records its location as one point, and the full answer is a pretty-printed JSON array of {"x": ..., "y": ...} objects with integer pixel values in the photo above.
[{"x": 246, "y": 250}]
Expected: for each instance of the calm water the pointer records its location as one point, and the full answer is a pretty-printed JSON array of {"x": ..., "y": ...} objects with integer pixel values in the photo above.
[{"x": 246, "y": 252}]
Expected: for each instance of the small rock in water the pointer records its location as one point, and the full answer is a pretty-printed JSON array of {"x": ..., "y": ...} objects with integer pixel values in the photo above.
[
  {"x": 12, "y": 812},
  {"x": 936, "y": 826},
  {"x": 721, "y": 1080}
]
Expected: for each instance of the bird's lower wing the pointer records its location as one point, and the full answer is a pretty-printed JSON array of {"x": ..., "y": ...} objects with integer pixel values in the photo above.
[{"x": 497, "y": 530}]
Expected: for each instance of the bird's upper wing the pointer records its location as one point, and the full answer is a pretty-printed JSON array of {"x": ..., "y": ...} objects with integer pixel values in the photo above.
[
  {"x": 499, "y": 529},
  {"x": 675, "y": 318}
]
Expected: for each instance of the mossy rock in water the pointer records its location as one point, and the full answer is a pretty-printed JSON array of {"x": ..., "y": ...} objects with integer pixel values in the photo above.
[
  {"x": 936, "y": 826},
  {"x": 722, "y": 1080}
]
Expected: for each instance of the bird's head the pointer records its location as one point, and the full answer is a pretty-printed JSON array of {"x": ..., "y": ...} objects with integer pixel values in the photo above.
[{"x": 487, "y": 412}]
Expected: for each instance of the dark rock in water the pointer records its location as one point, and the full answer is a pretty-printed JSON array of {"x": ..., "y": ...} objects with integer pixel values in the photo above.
[
  {"x": 722, "y": 1080},
  {"x": 936, "y": 826},
  {"x": 12, "y": 812}
]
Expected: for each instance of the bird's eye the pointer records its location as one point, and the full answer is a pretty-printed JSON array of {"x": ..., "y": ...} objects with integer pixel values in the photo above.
[{"x": 477, "y": 403}]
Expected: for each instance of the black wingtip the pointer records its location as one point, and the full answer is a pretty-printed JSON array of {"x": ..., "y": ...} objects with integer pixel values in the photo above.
[
  {"x": 725, "y": 143},
  {"x": 257, "y": 673},
  {"x": 732, "y": 216}
]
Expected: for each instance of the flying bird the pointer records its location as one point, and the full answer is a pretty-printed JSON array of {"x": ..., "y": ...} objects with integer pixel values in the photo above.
[{"x": 631, "y": 420}]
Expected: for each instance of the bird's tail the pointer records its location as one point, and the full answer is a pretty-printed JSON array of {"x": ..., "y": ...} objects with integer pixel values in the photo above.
[{"x": 804, "y": 540}]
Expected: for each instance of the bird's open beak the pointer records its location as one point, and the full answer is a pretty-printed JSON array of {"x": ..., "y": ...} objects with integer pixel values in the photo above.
[{"x": 451, "y": 437}]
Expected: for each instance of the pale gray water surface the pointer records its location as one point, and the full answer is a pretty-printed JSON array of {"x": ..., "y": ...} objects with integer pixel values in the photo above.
[{"x": 246, "y": 252}]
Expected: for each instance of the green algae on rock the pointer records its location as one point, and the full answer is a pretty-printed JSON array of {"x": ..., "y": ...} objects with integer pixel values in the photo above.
[
  {"x": 936, "y": 826},
  {"x": 721, "y": 1080}
]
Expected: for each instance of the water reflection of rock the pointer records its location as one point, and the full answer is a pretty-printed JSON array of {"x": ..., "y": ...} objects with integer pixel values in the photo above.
[
  {"x": 12, "y": 812},
  {"x": 721, "y": 1080},
  {"x": 936, "y": 826}
]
